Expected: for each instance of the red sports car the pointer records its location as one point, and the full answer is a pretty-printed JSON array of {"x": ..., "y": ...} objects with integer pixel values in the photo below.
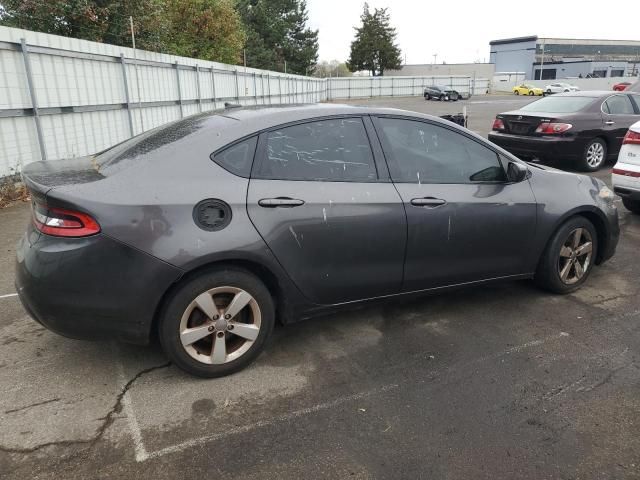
[{"x": 619, "y": 87}]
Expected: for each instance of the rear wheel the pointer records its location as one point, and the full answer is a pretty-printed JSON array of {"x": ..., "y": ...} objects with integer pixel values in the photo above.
[
  {"x": 594, "y": 155},
  {"x": 531, "y": 93},
  {"x": 217, "y": 323},
  {"x": 568, "y": 258},
  {"x": 443, "y": 98},
  {"x": 631, "y": 205},
  {"x": 517, "y": 92},
  {"x": 427, "y": 97}
]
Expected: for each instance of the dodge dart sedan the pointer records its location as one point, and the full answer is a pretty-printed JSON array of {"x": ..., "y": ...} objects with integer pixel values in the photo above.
[{"x": 206, "y": 231}]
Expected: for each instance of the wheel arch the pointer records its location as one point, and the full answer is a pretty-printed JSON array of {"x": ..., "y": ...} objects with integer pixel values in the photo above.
[
  {"x": 598, "y": 221},
  {"x": 259, "y": 269}
]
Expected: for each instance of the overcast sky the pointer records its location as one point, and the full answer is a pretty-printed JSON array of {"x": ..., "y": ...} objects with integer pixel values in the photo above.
[{"x": 427, "y": 27}]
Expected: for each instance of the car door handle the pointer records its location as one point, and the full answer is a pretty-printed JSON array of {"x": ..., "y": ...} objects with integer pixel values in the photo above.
[
  {"x": 610, "y": 122},
  {"x": 428, "y": 202},
  {"x": 284, "y": 202}
]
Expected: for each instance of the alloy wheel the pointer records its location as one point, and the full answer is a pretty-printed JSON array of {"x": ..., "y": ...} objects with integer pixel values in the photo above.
[
  {"x": 220, "y": 325},
  {"x": 595, "y": 154},
  {"x": 575, "y": 256}
]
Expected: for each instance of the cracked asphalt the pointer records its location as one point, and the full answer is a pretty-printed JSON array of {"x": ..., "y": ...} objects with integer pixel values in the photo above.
[{"x": 495, "y": 382}]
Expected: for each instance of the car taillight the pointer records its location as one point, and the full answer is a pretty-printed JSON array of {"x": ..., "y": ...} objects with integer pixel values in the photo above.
[
  {"x": 625, "y": 173},
  {"x": 498, "y": 124},
  {"x": 552, "y": 128},
  {"x": 60, "y": 222},
  {"x": 632, "y": 138}
]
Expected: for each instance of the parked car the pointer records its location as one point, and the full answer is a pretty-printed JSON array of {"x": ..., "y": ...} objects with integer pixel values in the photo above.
[
  {"x": 622, "y": 86},
  {"x": 560, "y": 88},
  {"x": 625, "y": 175},
  {"x": 206, "y": 230},
  {"x": 525, "y": 89},
  {"x": 584, "y": 128},
  {"x": 441, "y": 93}
]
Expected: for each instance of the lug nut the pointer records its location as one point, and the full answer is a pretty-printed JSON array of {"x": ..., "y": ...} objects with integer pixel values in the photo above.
[
  {"x": 216, "y": 317},
  {"x": 230, "y": 327},
  {"x": 227, "y": 316},
  {"x": 211, "y": 328},
  {"x": 220, "y": 334}
]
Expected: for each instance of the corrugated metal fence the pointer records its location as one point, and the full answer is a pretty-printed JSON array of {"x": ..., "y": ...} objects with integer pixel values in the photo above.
[{"x": 62, "y": 97}]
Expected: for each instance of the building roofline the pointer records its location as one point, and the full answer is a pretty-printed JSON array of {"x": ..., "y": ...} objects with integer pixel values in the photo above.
[{"x": 513, "y": 40}]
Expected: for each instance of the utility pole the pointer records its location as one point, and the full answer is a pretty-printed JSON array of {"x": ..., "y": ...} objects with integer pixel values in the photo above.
[
  {"x": 435, "y": 58},
  {"x": 135, "y": 67}
]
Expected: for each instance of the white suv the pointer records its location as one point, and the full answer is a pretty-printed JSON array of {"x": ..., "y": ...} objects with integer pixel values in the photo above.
[{"x": 626, "y": 172}]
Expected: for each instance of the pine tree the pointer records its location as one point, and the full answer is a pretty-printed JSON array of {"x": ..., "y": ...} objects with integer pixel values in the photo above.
[
  {"x": 374, "y": 47},
  {"x": 277, "y": 33}
]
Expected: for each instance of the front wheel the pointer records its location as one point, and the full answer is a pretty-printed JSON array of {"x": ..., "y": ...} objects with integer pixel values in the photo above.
[
  {"x": 569, "y": 256},
  {"x": 531, "y": 93},
  {"x": 631, "y": 205},
  {"x": 594, "y": 155},
  {"x": 427, "y": 97},
  {"x": 517, "y": 92},
  {"x": 217, "y": 323}
]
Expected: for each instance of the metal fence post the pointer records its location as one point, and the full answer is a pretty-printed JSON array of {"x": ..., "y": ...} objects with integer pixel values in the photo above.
[
  {"x": 349, "y": 87},
  {"x": 126, "y": 93},
  {"x": 235, "y": 72},
  {"x": 255, "y": 89},
  {"x": 175, "y": 65},
  {"x": 198, "y": 88},
  {"x": 32, "y": 94},
  {"x": 279, "y": 89},
  {"x": 213, "y": 87},
  {"x": 392, "y": 92},
  {"x": 269, "y": 88},
  {"x": 413, "y": 86}
]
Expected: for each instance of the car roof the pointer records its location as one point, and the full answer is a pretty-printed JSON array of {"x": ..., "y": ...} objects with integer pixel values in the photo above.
[
  {"x": 214, "y": 130},
  {"x": 589, "y": 93}
]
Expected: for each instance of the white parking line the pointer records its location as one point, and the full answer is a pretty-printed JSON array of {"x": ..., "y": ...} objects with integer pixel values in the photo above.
[
  {"x": 141, "y": 453},
  {"x": 264, "y": 423},
  {"x": 9, "y": 295},
  {"x": 132, "y": 421}
]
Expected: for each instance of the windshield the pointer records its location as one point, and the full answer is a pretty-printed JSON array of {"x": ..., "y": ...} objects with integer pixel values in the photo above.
[{"x": 558, "y": 104}]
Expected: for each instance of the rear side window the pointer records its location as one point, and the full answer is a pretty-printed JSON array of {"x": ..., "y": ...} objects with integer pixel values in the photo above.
[
  {"x": 237, "y": 158},
  {"x": 636, "y": 99},
  {"x": 618, "y": 105},
  {"x": 328, "y": 150},
  {"x": 420, "y": 152}
]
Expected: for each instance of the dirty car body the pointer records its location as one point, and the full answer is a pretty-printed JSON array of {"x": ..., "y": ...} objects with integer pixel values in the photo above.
[{"x": 327, "y": 205}]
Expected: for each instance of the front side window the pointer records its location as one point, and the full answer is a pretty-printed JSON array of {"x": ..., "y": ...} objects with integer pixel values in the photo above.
[
  {"x": 420, "y": 152},
  {"x": 327, "y": 150},
  {"x": 618, "y": 105}
]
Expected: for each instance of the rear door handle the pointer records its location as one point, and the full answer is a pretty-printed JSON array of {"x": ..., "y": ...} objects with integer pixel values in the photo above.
[
  {"x": 284, "y": 202},
  {"x": 609, "y": 122},
  {"x": 428, "y": 202}
]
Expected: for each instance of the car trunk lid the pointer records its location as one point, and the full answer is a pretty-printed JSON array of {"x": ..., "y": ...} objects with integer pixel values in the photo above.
[{"x": 523, "y": 124}]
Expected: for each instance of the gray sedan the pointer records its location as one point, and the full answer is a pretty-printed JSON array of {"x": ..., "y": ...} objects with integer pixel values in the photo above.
[{"x": 207, "y": 231}]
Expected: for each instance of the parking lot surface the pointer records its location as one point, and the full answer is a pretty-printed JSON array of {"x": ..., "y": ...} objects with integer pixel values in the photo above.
[{"x": 495, "y": 382}]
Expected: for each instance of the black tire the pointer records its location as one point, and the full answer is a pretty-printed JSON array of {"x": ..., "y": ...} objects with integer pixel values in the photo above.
[
  {"x": 548, "y": 91},
  {"x": 171, "y": 318},
  {"x": 548, "y": 272},
  {"x": 631, "y": 205},
  {"x": 517, "y": 92},
  {"x": 443, "y": 98},
  {"x": 587, "y": 165},
  {"x": 427, "y": 97},
  {"x": 531, "y": 93}
]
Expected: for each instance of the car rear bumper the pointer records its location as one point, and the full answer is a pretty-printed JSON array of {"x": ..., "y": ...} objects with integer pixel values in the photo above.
[
  {"x": 90, "y": 288},
  {"x": 542, "y": 148}
]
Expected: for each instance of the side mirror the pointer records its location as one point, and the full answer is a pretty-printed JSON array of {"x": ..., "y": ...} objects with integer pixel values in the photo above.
[{"x": 517, "y": 172}]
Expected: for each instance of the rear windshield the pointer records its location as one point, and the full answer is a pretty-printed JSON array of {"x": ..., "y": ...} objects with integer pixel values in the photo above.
[
  {"x": 558, "y": 104},
  {"x": 147, "y": 142}
]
